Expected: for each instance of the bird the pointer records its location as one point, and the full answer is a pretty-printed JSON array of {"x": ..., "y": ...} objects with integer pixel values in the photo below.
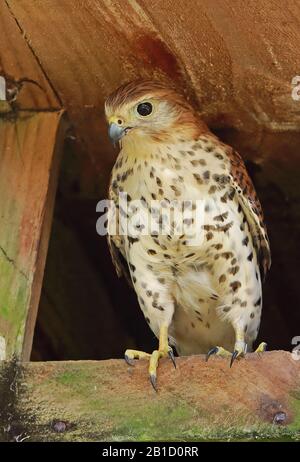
[{"x": 198, "y": 269}]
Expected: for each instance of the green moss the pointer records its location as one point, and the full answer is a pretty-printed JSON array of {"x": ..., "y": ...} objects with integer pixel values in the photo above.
[
  {"x": 13, "y": 302},
  {"x": 16, "y": 262},
  {"x": 155, "y": 421},
  {"x": 294, "y": 427},
  {"x": 85, "y": 395},
  {"x": 74, "y": 378}
]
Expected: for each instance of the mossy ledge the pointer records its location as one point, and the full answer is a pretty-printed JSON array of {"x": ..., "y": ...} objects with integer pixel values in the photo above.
[{"x": 258, "y": 398}]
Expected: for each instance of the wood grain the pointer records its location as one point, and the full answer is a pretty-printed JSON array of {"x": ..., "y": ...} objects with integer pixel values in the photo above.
[
  {"x": 235, "y": 60},
  {"x": 17, "y": 61},
  {"x": 29, "y": 148}
]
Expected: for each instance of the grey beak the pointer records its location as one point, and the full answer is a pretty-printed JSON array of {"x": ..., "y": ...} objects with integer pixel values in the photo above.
[{"x": 116, "y": 132}]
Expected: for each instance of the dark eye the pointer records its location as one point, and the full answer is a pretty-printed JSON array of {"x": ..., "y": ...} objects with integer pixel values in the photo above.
[{"x": 144, "y": 109}]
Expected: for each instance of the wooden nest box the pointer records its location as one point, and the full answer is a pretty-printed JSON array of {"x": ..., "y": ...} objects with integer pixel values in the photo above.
[{"x": 239, "y": 65}]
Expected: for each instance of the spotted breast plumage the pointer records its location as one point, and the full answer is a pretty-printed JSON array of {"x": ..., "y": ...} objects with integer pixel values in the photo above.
[{"x": 200, "y": 295}]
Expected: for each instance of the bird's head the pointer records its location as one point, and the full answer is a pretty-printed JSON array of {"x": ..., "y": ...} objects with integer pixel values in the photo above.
[{"x": 149, "y": 109}]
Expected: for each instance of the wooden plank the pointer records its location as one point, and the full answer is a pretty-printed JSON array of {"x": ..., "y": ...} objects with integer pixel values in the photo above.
[
  {"x": 108, "y": 401},
  {"x": 17, "y": 61},
  {"x": 234, "y": 60},
  {"x": 29, "y": 159}
]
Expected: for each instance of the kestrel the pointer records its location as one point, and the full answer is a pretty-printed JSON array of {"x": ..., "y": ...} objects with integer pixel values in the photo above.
[{"x": 199, "y": 295}]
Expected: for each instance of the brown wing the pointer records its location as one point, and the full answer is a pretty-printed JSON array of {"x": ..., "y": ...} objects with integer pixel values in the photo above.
[
  {"x": 115, "y": 242},
  {"x": 252, "y": 208},
  {"x": 119, "y": 261}
]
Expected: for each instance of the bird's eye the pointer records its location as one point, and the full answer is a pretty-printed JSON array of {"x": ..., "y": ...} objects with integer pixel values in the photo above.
[{"x": 144, "y": 109}]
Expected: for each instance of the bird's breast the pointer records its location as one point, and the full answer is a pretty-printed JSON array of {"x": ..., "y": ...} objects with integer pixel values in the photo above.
[{"x": 171, "y": 192}]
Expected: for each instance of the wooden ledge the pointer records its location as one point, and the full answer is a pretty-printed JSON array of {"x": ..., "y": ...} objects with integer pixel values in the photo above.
[{"x": 258, "y": 398}]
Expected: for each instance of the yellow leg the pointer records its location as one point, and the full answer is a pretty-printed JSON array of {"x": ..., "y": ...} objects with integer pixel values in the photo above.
[
  {"x": 163, "y": 350},
  {"x": 240, "y": 346}
]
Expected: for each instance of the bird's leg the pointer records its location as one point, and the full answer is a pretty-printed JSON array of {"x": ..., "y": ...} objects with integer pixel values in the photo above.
[
  {"x": 163, "y": 350},
  {"x": 240, "y": 346}
]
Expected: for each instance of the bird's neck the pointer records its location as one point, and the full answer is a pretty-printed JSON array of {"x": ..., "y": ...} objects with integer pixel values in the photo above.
[{"x": 141, "y": 146}]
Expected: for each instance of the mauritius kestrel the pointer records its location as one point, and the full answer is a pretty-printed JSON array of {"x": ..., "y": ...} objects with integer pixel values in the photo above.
[{"x": 200, "y": 296}]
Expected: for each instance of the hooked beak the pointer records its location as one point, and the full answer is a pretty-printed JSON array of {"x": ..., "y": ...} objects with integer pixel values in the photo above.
[{"x": 116, "y": 132}]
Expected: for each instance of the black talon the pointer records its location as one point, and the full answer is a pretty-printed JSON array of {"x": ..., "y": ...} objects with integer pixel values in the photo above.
[
  {"x": 213, "y": 351},
  {"x": 152, "y": 378},
  {"x": 233, "y": 357},
  {"x": 129, "y": 361},
  {"x": 172, "y": 357}
]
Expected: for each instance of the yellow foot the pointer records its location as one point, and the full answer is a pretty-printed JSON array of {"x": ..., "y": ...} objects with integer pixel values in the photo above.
[
  {"x": 261, "y": 348},
  {"x": 218, "y": 351},
  {"x": 163, "y": 351},
  {"x": 239, "y": 352},
  {"x": 130, "y": 355},
  {"x": 240, "y": 349}
]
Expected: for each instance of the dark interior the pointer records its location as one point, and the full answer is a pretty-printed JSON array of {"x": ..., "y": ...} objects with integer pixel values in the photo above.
[{"x": 86, "y": 312}]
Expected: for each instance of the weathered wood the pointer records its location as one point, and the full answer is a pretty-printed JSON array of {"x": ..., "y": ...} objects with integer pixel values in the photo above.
[
  {"x": 28, "y": 172},
  {"x": 234, "y": 59},
  {"x": 17, "y": 61},
  {"x": 258, "y": 398},
  {"x": 29, "y": 159}
]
